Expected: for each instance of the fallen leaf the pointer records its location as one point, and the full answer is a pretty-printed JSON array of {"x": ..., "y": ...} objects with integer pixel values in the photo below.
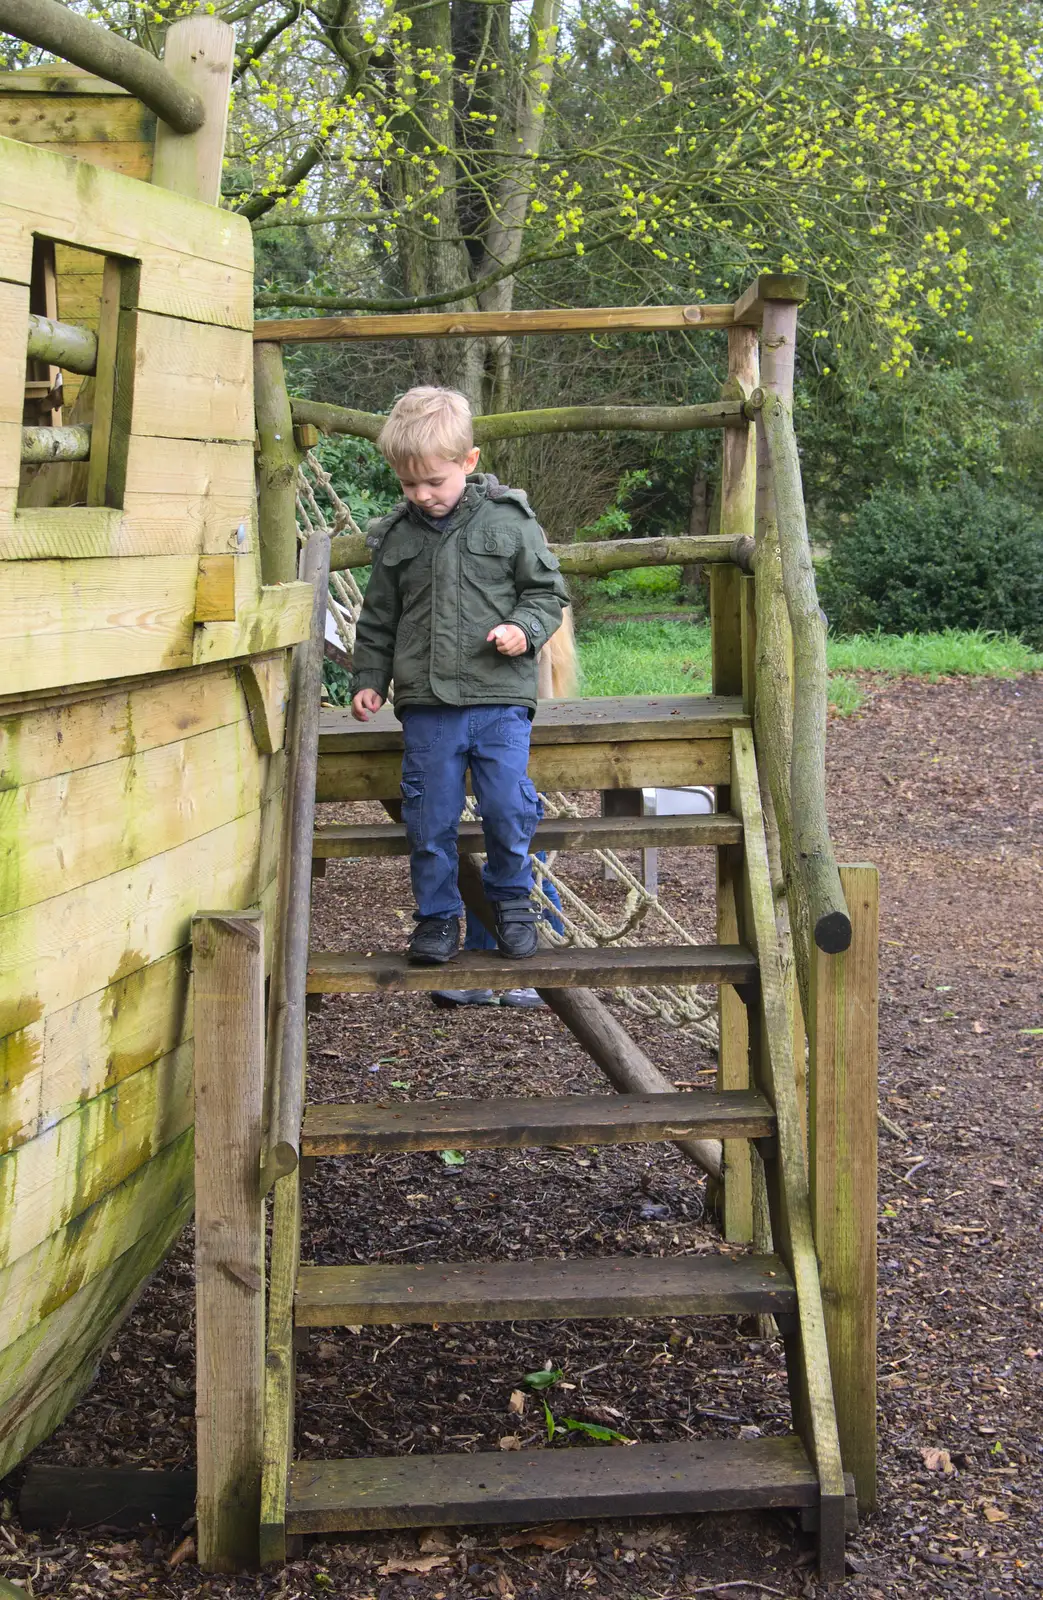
[
  {"x": 938, "y": 1461},
  {"x": 558, "y": 1536},
  {"x": 977, "y": 1027},
  {"x": 993, "y": 1514},
  {"x": 504, "y": 1586},
  {"x": 516, "y": 1403},
  {"x": 185, "y": 1551},
  {"x": 435, "y": 1541},
  {"x": 510, "y": 1441},
  {"x": 411, "y": 1564}
]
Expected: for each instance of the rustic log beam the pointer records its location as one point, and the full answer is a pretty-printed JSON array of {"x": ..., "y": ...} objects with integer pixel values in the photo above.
[
  {"x": 487, "y": 324},
  {"x": 56, "y": 444},
  {"x": 52, "y": 26},
  {"x": 812, "y": 848},
  {"x": 554, "y": 419},
  {"x": 277, "y": 468},
  {"x": 598, "y": 557},
  {"x": 62, "y": 344}
]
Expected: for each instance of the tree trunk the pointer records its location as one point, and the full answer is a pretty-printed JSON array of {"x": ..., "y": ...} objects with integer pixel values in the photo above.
[{"x": 698, "y": 525}]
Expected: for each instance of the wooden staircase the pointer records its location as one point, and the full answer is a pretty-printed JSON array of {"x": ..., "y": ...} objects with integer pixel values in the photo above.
[{"x": 600, "y": 745}]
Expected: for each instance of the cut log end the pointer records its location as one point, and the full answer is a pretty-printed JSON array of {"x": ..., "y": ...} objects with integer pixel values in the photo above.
[{"x": 833, "y": 932}]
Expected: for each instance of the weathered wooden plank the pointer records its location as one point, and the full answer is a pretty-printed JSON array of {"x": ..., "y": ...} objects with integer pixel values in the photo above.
[
  {"x": 14, "y": 319},
  {"x": 105, "y": 211},
  {"x": 667, "y": 763},
  {"x": 60, "y": 948},
  {"x": 105, "y": 723},
  {"x": 118, "y": 1497},
  {"x": 771, "y": 1049},
  {"x": 53, "y": 1271},
  {"x": 199, "y": 51},
  {"x": 228, "y": 981},
  {"x": 45, "y": 1372},
  {"x": 215, "y": 589},
  {"x": 843, "y": 1167},
  {"x": 265, "y": 621},
  {"x": 480, "y": 324},
  {"x": 53, "y": 1063},
  {"x": 82, "y": 826},
  {"x": 340, "y": 839},
  {"x": 351, "y": 972},
  {"x": 533, "y": 1485},
  {"x": 570, "y": 722},
  {"x": 769, "y": 287},
  {"x": 497, "y": 1291},
  {"x": 192, "y": 380},
  {"x": 67, "y": 1169},
  {"x": 265, "y": 682},
  {"x": 279, "y": 1369},
  {"x": 521, "y": 1124}
]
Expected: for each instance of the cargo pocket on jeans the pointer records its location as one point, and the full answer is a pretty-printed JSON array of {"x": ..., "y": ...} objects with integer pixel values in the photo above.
[
  {"x": 532, "y": 806},
  {"x": 413, "y": 811}
]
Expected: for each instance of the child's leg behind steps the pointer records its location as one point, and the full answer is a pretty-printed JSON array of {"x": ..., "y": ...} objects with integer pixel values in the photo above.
[{"x": 434, "y": 765}]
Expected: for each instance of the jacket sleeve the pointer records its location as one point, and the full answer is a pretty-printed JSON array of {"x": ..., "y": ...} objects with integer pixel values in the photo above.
[
  {"x": 376, "y": 629},
  {"x": 541, "y": 588}
]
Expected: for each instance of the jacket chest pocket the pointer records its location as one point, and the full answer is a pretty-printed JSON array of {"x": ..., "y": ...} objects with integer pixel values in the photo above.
[
  {"x": 487, "y": 561},
  {"x": 400, "y": 557}
]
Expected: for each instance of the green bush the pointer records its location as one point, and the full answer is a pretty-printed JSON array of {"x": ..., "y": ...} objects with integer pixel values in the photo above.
[{"x": 915, "y": 562}]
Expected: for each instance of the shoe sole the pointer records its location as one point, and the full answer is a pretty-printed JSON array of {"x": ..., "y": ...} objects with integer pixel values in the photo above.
[
  {"x": 430, "y": 961},
  {"x": 517, "y": 955}
]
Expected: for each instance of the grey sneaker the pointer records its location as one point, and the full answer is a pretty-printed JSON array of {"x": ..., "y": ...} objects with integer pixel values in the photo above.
[
  {"x": 523, "y": 999},
  {"x": 447, "y": 999}
]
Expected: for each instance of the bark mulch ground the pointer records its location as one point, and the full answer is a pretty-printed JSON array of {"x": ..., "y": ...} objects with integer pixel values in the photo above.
[{"x": 938, "y": 784}]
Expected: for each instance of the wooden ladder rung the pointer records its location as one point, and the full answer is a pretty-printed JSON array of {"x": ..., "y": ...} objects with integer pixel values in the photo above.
[
  {"x": 534, "y": 1485},
  {"x": 505, "y": 1291},
  {"x": 574, "y": 1119},
  {"x": 358, "y": 972},
  {"x": 334, "y": 839}
]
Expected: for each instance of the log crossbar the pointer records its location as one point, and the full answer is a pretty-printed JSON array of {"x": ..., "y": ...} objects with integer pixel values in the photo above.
[
  {"x": 56, "y": 444},
  {"x": 62, "y": 344},
  {"x": 554, "y": 419},
  {"x": 593, "y": 559}
]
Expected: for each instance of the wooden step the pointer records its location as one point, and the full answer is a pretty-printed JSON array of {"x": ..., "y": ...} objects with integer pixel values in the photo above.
[
  {"x": 334, "y": 839},
  {"x": 576, "y": 744},
  {"x": 575, "y": 1119},
  {"x": 537, "y": 1485},
  {"x": 358, "y": 972},
  {"x": 506, "y": 1291}
]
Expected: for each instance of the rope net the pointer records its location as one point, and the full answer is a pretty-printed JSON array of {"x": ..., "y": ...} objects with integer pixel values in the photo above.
[{"x": 691, "y": 1008}]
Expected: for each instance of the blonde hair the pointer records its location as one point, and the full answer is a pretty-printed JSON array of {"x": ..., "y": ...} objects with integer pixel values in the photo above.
[
  {"x": 558, "y": 665},
  {"x": 427, "y": 422}
]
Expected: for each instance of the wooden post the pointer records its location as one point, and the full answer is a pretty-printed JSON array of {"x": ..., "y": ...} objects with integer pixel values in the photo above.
[
  {"x": 738, "y": 487},
  {"x": 843, "y": 1163},
  {"x": 280, "y": 1370},
  {"x": 277, "y": 468},
  {"x": 200, "y": 54},
  {"x": 228, "y": 982}
]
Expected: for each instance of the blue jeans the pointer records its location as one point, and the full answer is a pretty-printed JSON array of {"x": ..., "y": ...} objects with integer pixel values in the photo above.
[{"x": 440, "y": 743}]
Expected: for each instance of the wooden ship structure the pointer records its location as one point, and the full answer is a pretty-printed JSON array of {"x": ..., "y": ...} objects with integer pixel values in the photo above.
[{"x": 161, "y": 755}]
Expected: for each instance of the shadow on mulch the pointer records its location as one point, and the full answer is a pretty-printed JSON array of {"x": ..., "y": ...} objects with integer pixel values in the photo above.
[{"x": 940, "y": 785}]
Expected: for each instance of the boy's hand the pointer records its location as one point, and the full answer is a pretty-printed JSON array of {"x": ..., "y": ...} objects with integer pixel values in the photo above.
[
  {"x": 509, "y": 639},
  {"x": 365, "y": 703}
]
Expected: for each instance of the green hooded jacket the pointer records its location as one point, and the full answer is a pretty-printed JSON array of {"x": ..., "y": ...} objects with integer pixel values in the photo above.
[{"x": 435, "y": 592}]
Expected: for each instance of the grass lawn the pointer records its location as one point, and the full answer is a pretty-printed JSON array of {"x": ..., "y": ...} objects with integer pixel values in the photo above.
[{"x": 670, "y": 657}]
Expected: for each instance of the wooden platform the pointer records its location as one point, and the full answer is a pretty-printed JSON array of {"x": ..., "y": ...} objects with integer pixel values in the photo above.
[
  {"x": 379, "y": 971},
  {"x": 607, "y": 743},
  {"x": 347, "y": 839},
  {"x": 575, "y": 1119},
  {"x": 533, "y": 1485}
]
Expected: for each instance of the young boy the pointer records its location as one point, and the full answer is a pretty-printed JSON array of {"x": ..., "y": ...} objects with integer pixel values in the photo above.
[{"x": 462, "y": 594}]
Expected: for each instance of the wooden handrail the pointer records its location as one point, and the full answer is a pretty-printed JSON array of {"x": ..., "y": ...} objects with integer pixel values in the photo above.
[
  {"x": 286, "y": 1010},
  {"x": 483, "y": 324},
  {"x": 813, "y": 848},
  {"x": 553, "y": 419},
  {"x": 594, "y": 559}
]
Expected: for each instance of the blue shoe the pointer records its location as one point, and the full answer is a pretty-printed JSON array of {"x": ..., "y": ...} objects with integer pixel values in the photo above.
[
  {"x": 448, "y": 999},
  {"x": 523, "y": 1000}
]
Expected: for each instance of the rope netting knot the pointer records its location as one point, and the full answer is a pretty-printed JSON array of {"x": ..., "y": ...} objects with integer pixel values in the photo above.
[{"x": 580, "y": 924}]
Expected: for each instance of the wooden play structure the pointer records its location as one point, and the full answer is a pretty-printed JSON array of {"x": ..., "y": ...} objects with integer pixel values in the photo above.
[{"x": 162, "y": 757}]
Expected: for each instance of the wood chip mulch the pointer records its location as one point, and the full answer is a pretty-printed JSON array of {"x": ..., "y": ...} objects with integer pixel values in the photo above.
[{"x": 940, "y": 786}]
